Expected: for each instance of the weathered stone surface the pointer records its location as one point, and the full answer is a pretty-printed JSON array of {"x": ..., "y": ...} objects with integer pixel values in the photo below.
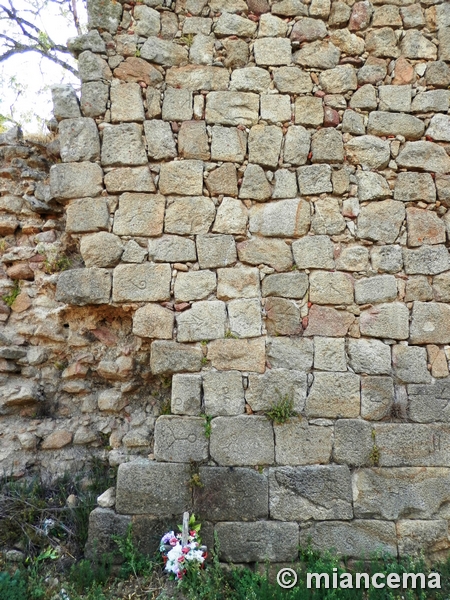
[
  {"x": 410, "y": 364},
  {"x": 194, "y": 285},
  {"x": 437, "y": 74},
  {"x": 216, "y": 251},
  {"x": 270, "y": 541},
  {"x": 377, "y": 397},
  {"x": 381, "y": 288},
  {"x": 430, "y": 323},
  {"x": 245, "y": 317},
  {"x": 318, "y": 55},
  {"x": 186, "y": 394},
  {"x": 163, "y": 52},
  {"x": 240, "y": 282},
  {"x": 272, "y": 51},
  {"x": 290, "y": 353},
  {"x": 365, "y": 98},
  {"x": 330, "y": 288},
  {"x": 232, "y": 494},
  {"x": 353, "y": 122},
  {"x": 327, "y": 217},
  {"x": 147, "y": 21},
  {"x": 143, "y": 483},
  {"x": 103, "y": 524},
  {"x": 370, "y": 357},
  {"x": 153, "y": 321},
  {"x": 123, "y": 146},
  {"x": 242, "y": 440},
  {"x": 304, "y": 493},
  {"x": 416, "y": 46},
  {"x": 424, "y": 227},
  {"x": 94, "y": 98},
  {"x": 204, "y": 321},
  {"x": 412, "y": 187},
  {"x": 265, "y": 391},
  {"x": 195, "y": 77},
  {"x": 308, "y": 30},
  {"x": 314, "y": 179},
  {"x": 382, "y": 43},
  {"x": 180, "y": 439},
  {"x": 426, "y": 260},
  {"x": 104, "y": 15},
  {"x": 327, "y": 146},
  {"x": 184, "y": 178},
  {"x": 285, "y": 184},
  {"x": 231, "y": 24},
  {"x": 264, "y": 144},
  {"x": 92, "y": 67},
  {"x": 292, "y": 80},
  {"x": 232, "y": 108},
  {"x": 353, "y": 442},
  {"x": 126, "y": 103},
  {"x": 389, "y": 321},
  {"x": 296, "y": 145},
  {"x": 439, "y": 128},
  {"x": 425, "y": 156},
  {"x": 141, "y": 283},
  {"x": 139, "y": 215},
  {"x": 101, "y": 249},
  {"x": 284, "y": 218},
  {"x": 250, "y": 79},
  {"x": 172, "y": 248},
  {"x": 111, "y": 401},
  {"x": 314, "y": 251},
  {"x": 386, "y": 123},
  {"x": 134, "y": 69},
  {"x": 348, "y": 42},
  {"x": 297, "y": 443},
  {"x": 255, "y": 185},
  {"x": 339, "y": 80},
  {"x": 327, "y": 321},
  {"x": 171, "y": 357},
  {"x": 160, "y": 141},
  {"x": 84, "y": 286},
  {"x": 416, "y": 537},
  {"x": 387, "y": 259},
  {"x": 329, "y": 354},
  {"x": 368, "y": 151},
  {"x": 87, "y": 214},
  {"x": 57, "y": 439},
  {"x": 223, "y": 180},
  {"x": 75, "y": 180},
  {"x": 228, "y": 143},
  {"x": 355, "y": 539},
  {"x": 285, "y": 285},
  {"x": 372, "y": 186},
  {"x": 65, "y": 102},
  {"x": 129, "y": 179},
  {"x": 432, "y": 101},
  {"x": 334, "y": 395},
  {"x": 79, "y": 140},
  {"x": 243, "y": 355},
  {"x": 177, "y": 105},
  {"x": 352, "y": 258},
  {"x": 189, "y": 215},
  {"x": 381, "y": 221},
  {"x": 223, "y": 393},
  {"x": 273, "y": 252},
  {"x": 418, "y": 288},
  {"x": 309, "y": 111}
]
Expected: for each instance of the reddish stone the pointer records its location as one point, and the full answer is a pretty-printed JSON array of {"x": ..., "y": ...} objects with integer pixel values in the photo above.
[
  {"x": 20, "y": 271},
  {"x": 360, "y": 17},
  {"x": 135, "y": 69},
  {"x": 327, "y": 321},
  {"x": 258, "y": 7},
  {"x": 356, "y": 61},
  {"x": 404, "y": 72},
  {"x": 331, "y": 117},
  {"x": 57, "y": 439},
  {"x": 182, "y": 306},
  {"x": 105, "y": 335},
  {"x": 21, "y": 303}
]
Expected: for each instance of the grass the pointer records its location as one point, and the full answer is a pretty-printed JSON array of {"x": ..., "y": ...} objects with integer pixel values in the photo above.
[
  {"x": 282, "y": 410},
  {"x": 9, "y": 299}
]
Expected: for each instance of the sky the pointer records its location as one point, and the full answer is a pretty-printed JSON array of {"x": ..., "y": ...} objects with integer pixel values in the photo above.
[{"x": 25, "y": 80}]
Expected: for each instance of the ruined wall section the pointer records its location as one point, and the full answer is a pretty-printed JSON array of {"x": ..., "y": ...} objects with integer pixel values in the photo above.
[{"x": 259, "y": 195}]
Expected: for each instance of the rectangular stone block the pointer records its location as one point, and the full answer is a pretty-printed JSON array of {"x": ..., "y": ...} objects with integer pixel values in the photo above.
[
  {"x": 290, "y": 353},
  {"x": 231, "y": 494},
  {"x": 285, "y": 285},
  {"x": 257, "y": 542},
  {"x": 232, "y": 108},
  {"x": 172, "y": 249},
  {"x": 297, "y": 443},
  {"x": 330, "y": 288},
  {"x": 79, "y": 140},
  {"x": 244, "y": 317},
  {"x": 103, "y": 524},
  {"x": 390, "y": 494},
  {"x": 430, "y": 323},
  {"x": 194, "y": 285},
  {"x": 223, "y": 393},
  {"x": 320, "y": 493},
  {"x": 284, "y": 218},
  {"x": 84, "y": 286},
  {"x": 123, "y": 146},
  {"x": 243, "y": 355},
  {"x": 238, "y": 282},
  {"x": 334, "y": 395},
  {"x": 144, "y": 485},
  {"x": 429, "y": 403},
  {"x": 389, "y": 321},
  {"x": 265, "y": 391},
  {"x": 191, "y": 215},
  {"x": 357, "y": 539},
  {"x": 429, "y": 537},
  {"x": 126, "y": 103},
  {"x": 273, "y": 252},
  {"x": 216, "y": 251},
  {"x": 87, "y": 215},
  {"x": 171, "y": 357},
  {"x": 180, "y": 439},
  {"x": 75, "y": 180},
  {"x": 129, "y": 179},
  {"x": 141, "y": 283},
  {"x": 204, "y": 321},
  {"x": 329, "y": 354},
  {"x": 184, "y": 177},
  {"x": 186, "y": 394},
  {"x": 198, "y": 77},
  {"x": 139, "y": 215},
  {"x": 377, "y": 397},
  {"x": 245, "y": 440}
]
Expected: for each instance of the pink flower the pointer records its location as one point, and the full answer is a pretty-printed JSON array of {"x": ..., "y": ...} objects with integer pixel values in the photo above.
[
  {"x": 185, "y": 550},
  {"x": 173, "y": 541}
]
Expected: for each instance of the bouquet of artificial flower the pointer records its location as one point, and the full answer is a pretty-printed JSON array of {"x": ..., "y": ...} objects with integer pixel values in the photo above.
[{"x": 178, "y": 557}]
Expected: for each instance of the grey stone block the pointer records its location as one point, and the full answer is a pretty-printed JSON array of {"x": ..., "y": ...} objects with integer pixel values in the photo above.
[
  {"x": 171, "y": 357},
  {"x": 204, "y": 321},
  {"x": 320, "y": 493},
  {"x": 297, "y": 443},
  {"x": 314, "y": 252},
  {"x": 377, "y": 397},
  {"x": 426, "y": 260},
  {"x": 426, "y": 156},
  {"x": 163, "y": 52},
  {"x": 243, "y": 355},
  {"x": 330, "y": 288},
  {"x": 368, "y": 151},
  {"x": 428, "y": 403},
  {"x": 189, "y": 215},
  {"x": 381, "y": 288},
  {"x": 387, "y": 259},
  {"x": 272, "y": 51},
  {"x": 385, "y": 123},
  {"x": 180, "y": 439},
  {"x": 416, "y": 537},
  {"x": 285, "y": 285},
  {"x": 141, "y": 283},
  {"x": 144, "y": 485},
  {"x": 283, "y": 218},
  {"x": 223, "y": 393},
  {"x": 244, "y": 317},
  {"x": 254, "y": 184},
  {"x": 94, "y": 98},
  {"x": 160, "y": 140},
  {"x": 103, "y": 524},
  {"x": 172, "y": 249},
  {"x": 334, "y": 395},
  {"x": 216, "y": 251},
  {"x": 153, "y": 321},
  {"x": 177, "y": 105},
  {"x": 79, "y": 140},
  {"x": 75, "y": 180},
  {"x": 228, "y": 143},
  {"x": 84, "y": 286},
  {"x": 242, "y": 441},
  {"x": 139, "y": 215},
  {"x": 238, "y": 282},
  {"x": 257, "y": 542},
  {"x": 232, "y": 494},
  {"x": 329, "y": 354},
  {"x": 314, "y": 179},
  {"x": 371, "y": 357},
  {"x": 264, "y": 145},
  {"x": 92, "y": 67},
  {"x": 184, "y": 178},
  {"x": 353, "y": 443},
  {"x": 327, "y": 146},
  {"x": 104, "y": 14},
  {"x": 357, "y": 539},
  {"x": 410, "y": 364},
  {"x": 389, "y": 321},
  {"x": 296, "y": 145},
  {"x": 129, "y": 179},
  {"x": 194, "y": 285},
  {"x": 232, "y": 108},
  {"x": 290, "y": 353},
  {"x": 381, "y": 221},
  {"x": 232, "y": 217},
  {"x": 186, "y": 394},
  {"x": 65, "y": 102},
  {"x": 266, "y": 391},
  {"x": 126, "y": 103},
  {"x": 101, "y": 249},
  {"x": 87, "y": 215}
]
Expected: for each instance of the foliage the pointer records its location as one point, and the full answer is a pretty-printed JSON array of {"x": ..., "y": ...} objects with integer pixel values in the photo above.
[
  {"x": 134, "y": 562},
  {"x": 56, "y": 263},
  {"x": 282, "y": 410},
  {"x": 85, "y": 575},
  {"x": 207, "y": 425},
  {"x": 9, "y": 299},
  {"x": 374, "y": 456},
  {"x": 13, "y": 587}
]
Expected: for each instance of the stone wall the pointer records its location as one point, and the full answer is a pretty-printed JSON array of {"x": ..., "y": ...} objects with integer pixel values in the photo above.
[{"x": 256, "y": 194}]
